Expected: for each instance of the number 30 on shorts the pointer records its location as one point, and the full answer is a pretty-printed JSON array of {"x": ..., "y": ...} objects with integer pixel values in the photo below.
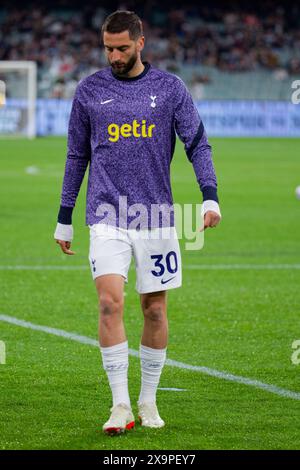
[{"x": 170, "y": 263}]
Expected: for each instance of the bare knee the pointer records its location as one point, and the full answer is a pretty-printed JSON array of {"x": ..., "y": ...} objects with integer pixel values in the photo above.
[
  {"x": 111, "y": 309},
  {"x": 154, "y": 313}
]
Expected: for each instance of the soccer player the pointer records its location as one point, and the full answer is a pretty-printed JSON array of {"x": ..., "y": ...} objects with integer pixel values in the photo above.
[{"x": 123, "y": 124}]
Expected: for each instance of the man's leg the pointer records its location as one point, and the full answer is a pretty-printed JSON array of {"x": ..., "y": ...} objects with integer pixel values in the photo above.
[
  {"x": 153, "y": 354},
  {"x": 110, "y": 288},
  {"x": 114, "y": 349},
  {"x": 155, "y": 332}
]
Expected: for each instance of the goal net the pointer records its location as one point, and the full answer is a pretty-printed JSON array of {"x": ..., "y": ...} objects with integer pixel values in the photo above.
[{"x": 18, "y": 89}]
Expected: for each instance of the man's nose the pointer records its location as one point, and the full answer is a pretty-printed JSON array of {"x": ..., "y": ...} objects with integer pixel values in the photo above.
[{"x": 115, "y": 55}]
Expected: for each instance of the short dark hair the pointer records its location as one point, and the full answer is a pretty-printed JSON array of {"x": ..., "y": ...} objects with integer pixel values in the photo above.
[{"x": 123, "y": 20}]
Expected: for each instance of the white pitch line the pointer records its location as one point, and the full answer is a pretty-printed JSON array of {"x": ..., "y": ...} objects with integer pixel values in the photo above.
[
  {"x": 181, "y": 365},
  {"x": 54, "y": 267},
  {"x": 241, "y": 266},
  {"x": 171, "y": 389},
  {"x": 190, "y": 267}
]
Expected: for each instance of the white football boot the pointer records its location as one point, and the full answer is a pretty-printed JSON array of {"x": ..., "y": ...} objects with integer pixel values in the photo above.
[
  {"x": 121, "y": 419},
  {"x": 148, "y": 415}
]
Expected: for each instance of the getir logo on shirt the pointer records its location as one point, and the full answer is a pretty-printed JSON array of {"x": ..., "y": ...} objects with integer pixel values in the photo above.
[{"x": 127, "y": 130}]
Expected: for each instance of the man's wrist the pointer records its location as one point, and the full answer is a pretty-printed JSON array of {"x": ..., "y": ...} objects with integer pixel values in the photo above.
[
  {"x": 210, "y": 205},
  {"x": 64, "y": 232}
]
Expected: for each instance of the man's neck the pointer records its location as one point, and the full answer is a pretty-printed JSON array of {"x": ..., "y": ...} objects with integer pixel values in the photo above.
[{"x": 136, "y": 70}]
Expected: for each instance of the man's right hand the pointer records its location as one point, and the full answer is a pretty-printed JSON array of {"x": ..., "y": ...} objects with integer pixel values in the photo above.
[
  {"x": 65, "y": 246},
  {"x": 64, "y": 236}
]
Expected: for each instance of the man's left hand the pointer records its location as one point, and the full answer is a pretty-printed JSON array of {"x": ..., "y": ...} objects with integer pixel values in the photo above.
[{"x": 211, "y": 219}]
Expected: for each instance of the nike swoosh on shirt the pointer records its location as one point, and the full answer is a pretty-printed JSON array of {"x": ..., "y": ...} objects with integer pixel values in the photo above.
[
  {"x": 168, "y": 280},
  {"x": 107, "y": 101}
]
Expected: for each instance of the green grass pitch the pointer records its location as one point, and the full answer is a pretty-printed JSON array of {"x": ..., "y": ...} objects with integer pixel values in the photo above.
[{"x": 241, "y": 318}]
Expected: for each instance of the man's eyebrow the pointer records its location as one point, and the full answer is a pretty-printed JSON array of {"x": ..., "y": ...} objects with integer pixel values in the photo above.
[{"x": 119, "y": 47}]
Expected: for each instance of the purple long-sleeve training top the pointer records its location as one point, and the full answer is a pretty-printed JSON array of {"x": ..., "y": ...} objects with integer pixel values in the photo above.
[{"x": 125, "y": 129}]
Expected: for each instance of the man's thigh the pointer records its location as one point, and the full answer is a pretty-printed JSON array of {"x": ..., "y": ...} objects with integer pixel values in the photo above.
[{"x": 110, "y": 251}]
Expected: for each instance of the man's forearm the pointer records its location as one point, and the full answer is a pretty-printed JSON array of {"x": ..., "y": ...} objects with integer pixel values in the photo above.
[
  {"x": 74, "y": 174},
  {"x": 200, "y": 156}
]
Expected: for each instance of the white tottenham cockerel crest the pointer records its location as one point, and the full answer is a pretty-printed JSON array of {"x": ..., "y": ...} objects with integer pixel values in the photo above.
[{"x": 153, "y": 104}]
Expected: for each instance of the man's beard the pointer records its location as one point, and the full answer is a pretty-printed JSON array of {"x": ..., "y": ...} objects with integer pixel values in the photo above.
[{"x": 124, "y": 69}]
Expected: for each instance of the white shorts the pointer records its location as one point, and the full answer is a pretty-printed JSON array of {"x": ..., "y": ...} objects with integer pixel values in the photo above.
[{"x": 156, "y": 254}]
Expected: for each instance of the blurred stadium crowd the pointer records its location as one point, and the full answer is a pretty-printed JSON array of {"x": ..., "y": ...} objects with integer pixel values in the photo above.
[{"x": 63, "y": 37}]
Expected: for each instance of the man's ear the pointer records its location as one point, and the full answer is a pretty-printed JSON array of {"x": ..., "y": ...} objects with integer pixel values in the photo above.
[{"x": 140, "y": 43}]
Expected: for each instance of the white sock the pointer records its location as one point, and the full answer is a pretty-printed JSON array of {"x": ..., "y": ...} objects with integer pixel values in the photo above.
[
  {"x": 115, "y": 363},
  {"x": 152, "y": 362}
]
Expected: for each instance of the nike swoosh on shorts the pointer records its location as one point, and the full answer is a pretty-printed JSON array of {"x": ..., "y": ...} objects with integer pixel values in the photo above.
[{"x": 168, "y": 280}]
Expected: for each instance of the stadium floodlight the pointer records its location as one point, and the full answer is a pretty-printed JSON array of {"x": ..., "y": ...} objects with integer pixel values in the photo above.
[{"x": 18, "y": 90}]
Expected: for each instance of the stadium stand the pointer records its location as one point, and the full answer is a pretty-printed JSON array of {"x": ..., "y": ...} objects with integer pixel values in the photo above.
[{"x": 224, "y": 50}]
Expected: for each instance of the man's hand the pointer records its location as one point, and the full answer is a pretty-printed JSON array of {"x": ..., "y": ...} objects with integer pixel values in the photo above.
[
  {"x": 211, "y": 213},
  {"x": 65, "y": 246},
  {"x": 211, "y": 219},
  {"x": 64, "y": 236}
]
